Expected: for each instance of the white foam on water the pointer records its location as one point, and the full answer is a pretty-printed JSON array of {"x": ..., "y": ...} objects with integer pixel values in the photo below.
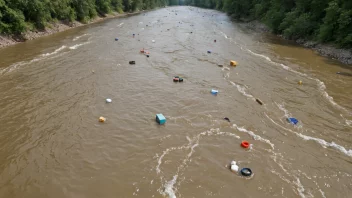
[
  {"x": 165, "y": 152},
  {"x": 242, "y": 90},
  {"x": 121, "y": 24},
  {"x": 322, "y": 142},
  {"x": 78, "y": 37},
  {"x": 255, "y": 136},
  {"x": 282, "y": 108},
  {"x": 321, "y": 84},
  {"x": 169, "y": 188},
  {"x": 348, "y": 122},
  {"x": 322, "y": 193},
  {"x": 78, "y": 45},
  {"x": 54, "y": 52},
  {"x": 300, "y": 188},
  {"x": 18, "y": 65},
  {"x": 326, "y": 144}
]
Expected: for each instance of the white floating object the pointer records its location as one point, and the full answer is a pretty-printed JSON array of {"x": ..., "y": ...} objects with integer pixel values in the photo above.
[
  {"x": 153, "y": 41},
  {"x": 108, "y": 100},
  {"x": 214, "y": 91},
  {"x": 233, "y": 163},
  {"x": 234, "y": 168}
]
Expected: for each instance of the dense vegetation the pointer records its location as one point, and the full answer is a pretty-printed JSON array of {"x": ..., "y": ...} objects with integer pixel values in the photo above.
[
  {"x": 320, "y": 20},
  {"x": 16, "y": 16}
]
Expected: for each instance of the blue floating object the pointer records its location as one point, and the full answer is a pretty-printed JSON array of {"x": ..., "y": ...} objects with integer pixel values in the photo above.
[
  {"x": 116, "y": 39},
  {"x": 293, "y": 121},
  {"x": 209, "y": 51},
  {"x": 160, "y": 118},
  {"x": 214, "y": 91}
]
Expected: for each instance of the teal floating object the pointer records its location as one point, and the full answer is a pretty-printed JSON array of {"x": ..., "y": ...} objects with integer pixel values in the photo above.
[{"x": 160, "y": 118}]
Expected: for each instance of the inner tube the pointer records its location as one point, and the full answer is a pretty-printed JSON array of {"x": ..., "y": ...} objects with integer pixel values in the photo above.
[
  {"x": 245, "y": 144},
  {"x": 180, "y": 79},
  {"x": 176, "y": 79},
  {"x": 226, "y": 118},
  {"x": 246, "y": 172}
]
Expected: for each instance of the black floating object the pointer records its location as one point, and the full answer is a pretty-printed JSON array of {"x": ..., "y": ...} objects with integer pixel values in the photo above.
[
  {"x": 132, "y": 62},
  {"x": 246, "y": 172},
  {"x": 176, "y": 77},
  {"x": 180, "y": 79},
  {"x": 226, "y": 118},
  {"x": 259, "y": 101},
  {"x": 220, "y": 65},
  {"x": 148, "y": 56}
]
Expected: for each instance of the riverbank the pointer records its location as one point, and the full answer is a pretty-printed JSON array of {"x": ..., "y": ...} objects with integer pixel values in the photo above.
[
  {"x": 326, "y": 50},
  {"x": 53, "y": 28}
]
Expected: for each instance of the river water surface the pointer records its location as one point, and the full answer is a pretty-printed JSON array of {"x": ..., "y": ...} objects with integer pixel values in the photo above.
[{"x": 53, "y": 90}]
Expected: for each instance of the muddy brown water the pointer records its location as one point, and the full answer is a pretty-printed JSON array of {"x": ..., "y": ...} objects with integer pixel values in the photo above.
[{"x": 53, "y": 90}]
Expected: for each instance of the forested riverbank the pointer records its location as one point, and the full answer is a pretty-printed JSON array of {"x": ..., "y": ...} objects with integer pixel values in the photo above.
[
  {"x": 22, "y": 20},
  {"x": 323, "y": 25}
]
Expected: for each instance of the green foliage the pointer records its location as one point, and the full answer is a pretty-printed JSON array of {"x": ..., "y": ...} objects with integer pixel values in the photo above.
[
  {"x": 11, "y": 21},
  {"x": 15, "y": 14},
  {"x": 321, "y": 20}
]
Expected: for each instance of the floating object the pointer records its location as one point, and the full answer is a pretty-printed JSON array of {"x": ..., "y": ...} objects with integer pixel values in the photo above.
[
  {"x": 153, "y": 41},
  {"x": 293, "y": 121},
  {"x": 300, "y": 82},
  {"x": 133, "y": 35},
  {"x": 226, "y": 118},
  {"x": 259, "y": 101},
  {"x": 176, "y": 79},
  {"x": 180, "y": 79},
  {"x": 214, "y": 41},
  {"x": 209, "y": 51},
  {"x": 246, "y": 172},
  {"x": 245, "y": 144},
  {"x": 147, "y": 55},
  {"x": 160, "y": 118},
  {"x": 142, "y": 50},
  {"x": 108, "y": 100},
  {"x": 220, "y": 65},
  {"x": 234, "y": 167},
  {"x": 93, "y": 71},
  {"x": 191, "y": 32},
  {"x": 132, "y": 62},
  {"x": 102, "y": 119},
  {"x": 214, "y": 91},
  {"x": 233, "y": 63},
  {"x": 116, "y": 39},
  {"x": 344, "y": 73}
]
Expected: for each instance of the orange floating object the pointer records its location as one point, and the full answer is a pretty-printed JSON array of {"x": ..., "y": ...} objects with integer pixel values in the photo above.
[
  {"x": 245, "y": 144},
  {"x": 142, "y": 50},
  {"x": 102, "y": 119}
]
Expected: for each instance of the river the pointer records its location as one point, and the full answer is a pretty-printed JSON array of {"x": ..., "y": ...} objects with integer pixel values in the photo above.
[{"x": 53, "y": 91}]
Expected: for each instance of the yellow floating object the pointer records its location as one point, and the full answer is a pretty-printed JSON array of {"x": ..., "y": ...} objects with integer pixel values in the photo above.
[
  {"x": 300, "y": 82},
  {"x": 102, "y": 119},
  {"x": 233, "y": 63}
]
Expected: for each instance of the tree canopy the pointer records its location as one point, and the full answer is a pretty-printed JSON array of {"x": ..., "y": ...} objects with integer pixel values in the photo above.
[
  {"x": 16, "y": 16},
  {"x": 320, "y": 20}
]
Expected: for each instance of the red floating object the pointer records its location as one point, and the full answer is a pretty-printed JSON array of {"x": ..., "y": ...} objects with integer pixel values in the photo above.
[
  {"x": 245, "y": 144},
  {"x": 176, "y": 79}
]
